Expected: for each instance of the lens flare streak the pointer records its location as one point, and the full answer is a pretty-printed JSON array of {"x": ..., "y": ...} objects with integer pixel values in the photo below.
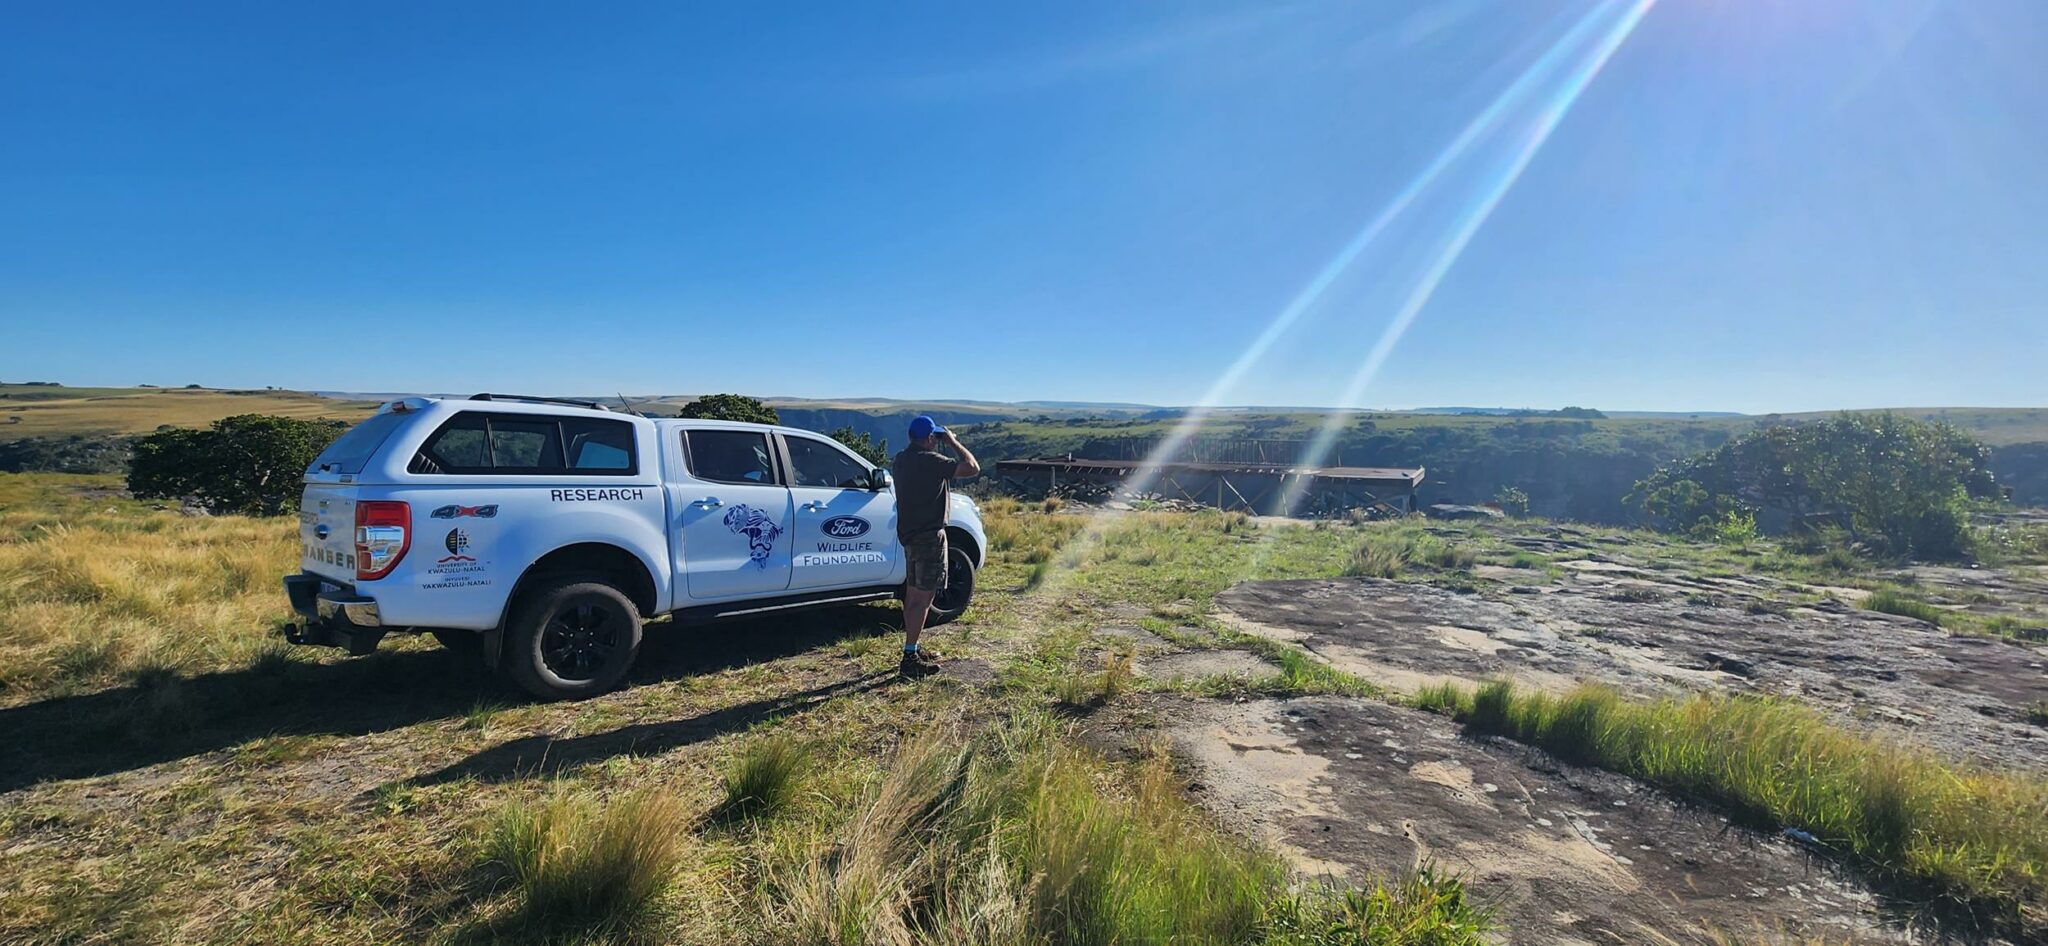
[
  {"x": 1474, "y": 216},
  {"x": 1579, "y": 55},
  {"x": 1487, "y": 121}
]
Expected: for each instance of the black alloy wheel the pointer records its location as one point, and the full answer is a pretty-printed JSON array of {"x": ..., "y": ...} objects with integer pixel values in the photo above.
[{"x": 579, "y": 640}]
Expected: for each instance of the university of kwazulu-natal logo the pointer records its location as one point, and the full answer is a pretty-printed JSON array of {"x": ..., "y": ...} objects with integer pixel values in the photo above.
[
  {"x": 457, "y": 543},
  {"x": 845, "y": 527}
]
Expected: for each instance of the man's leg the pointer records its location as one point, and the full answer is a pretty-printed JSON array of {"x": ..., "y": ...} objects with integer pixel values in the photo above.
[
  {"x": 917, "y": 603},
  {"x": 924, "y": 574}
]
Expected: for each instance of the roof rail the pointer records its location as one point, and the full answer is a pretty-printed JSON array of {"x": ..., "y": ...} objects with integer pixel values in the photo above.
[{"x": 593, "y": 405}]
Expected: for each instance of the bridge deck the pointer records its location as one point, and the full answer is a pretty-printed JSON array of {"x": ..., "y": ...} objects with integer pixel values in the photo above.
[{"x": 1406, "y": 477}]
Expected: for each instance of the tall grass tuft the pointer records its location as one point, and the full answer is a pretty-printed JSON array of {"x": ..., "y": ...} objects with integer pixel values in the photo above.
[
  {"x": 589, "y": 864},
  {"x": 1426, "y": 909},
  {"x": 1303, "y": 674},
  {"x": 1378, "y": 557},
  {"x": 763, "y": 781},
  {"x": 1387, "y": 551},
  {"x": 1970, "y": 834},
  {"x": 1895, "y": 602}
]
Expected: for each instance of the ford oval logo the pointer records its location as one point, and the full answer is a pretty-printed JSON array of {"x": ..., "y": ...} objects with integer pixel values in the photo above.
[
  {"x": 846, "y": 527},
  {"x": 321, "y": 531}
]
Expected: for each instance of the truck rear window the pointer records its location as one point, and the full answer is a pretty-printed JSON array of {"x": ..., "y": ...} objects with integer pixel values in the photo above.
[{"x": 353, "y": 449}]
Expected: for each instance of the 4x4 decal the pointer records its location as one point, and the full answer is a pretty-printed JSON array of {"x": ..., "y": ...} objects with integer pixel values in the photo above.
[{"x": 466, "y": 512}]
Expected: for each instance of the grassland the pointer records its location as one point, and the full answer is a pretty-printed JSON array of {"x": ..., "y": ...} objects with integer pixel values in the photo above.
[
  {"x": 173, "y": 776},
  {"x": 260, "y": 794},
  {"x": 35, "y": 411},
  {"x": 97, "y": 589}
]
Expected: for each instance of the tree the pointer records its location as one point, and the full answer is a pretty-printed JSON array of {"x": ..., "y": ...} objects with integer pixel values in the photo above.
[
  {"x": 250, "y": 464},
  {"x": 874, "y": 451},
  {"x": 1512, "y": 501},
  {"x": 1900, "y": 485},
  {"x": 730, "y": 407}
]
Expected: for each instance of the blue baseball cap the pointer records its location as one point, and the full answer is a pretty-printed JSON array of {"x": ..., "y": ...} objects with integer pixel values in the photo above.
[{"x": 923, "y": 426}]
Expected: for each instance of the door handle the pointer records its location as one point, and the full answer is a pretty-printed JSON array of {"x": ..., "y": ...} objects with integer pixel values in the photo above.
[
  {"x": 708, "y": 502},
  {"x": 814, "y": 506}
]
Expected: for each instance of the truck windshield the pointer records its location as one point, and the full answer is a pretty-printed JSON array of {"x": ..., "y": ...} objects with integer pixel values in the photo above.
[{"x": 354, "y": 448}]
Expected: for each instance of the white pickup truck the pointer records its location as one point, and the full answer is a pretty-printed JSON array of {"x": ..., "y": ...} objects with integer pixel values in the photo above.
[{"x": 543, "y": 533}]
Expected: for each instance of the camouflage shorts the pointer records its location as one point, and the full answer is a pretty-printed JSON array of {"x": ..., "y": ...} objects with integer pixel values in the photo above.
[{"x": 926, "y": 557}]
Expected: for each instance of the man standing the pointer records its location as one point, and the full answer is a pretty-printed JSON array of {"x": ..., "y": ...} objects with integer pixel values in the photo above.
[{"x": 924, "y": 482}]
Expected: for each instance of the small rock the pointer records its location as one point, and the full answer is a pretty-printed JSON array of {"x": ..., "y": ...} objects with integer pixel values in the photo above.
[{"x": 1453, "y": 511}]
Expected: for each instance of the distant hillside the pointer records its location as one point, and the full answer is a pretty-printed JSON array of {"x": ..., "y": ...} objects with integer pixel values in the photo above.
[
  {"x": 31, "y": 410},
  {"x": 1576, "y": 467},
  {"x": 1996, "y": 426}
]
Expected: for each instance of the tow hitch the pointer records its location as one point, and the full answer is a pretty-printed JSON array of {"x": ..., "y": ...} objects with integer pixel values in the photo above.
[{"x": 335, "y": 617}]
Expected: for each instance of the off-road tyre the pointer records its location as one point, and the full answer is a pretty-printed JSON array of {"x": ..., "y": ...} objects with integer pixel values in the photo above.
[
  {"x": 952, "y": 600},
  {"x": 570, "y": 638}
]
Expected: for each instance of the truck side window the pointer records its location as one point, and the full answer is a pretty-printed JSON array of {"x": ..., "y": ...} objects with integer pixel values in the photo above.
[
  {"x": 462, "y": 445},
  {"x": 598, "y": 446},
  {"x": 729, "y": 456},
  {"x": 477, "y": 443},
  {"x": 525, "y": 445},
  {"x": 816, "y": 463}
]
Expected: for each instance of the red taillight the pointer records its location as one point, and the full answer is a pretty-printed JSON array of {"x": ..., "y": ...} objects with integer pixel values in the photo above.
[{"x": 383, "y": 534}]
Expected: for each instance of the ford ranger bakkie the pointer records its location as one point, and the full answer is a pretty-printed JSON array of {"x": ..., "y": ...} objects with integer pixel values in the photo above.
[{"x": 542, "y": 534}]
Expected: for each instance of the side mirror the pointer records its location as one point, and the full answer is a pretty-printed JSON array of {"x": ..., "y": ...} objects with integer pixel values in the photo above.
[{"x": 878, "y": 480}]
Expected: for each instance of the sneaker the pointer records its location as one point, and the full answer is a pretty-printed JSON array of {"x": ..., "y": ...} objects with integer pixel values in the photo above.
[{"x": 918, "y": 664}]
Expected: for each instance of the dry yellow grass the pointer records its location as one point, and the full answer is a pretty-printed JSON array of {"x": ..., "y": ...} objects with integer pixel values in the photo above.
[
  {"x": 95, "y": 587},
  {"x": 144, "y": 410}
]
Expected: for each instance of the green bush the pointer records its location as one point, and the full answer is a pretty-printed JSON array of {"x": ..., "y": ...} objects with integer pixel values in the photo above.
[
  {"x": 1512, "y": 501},
  {"x": 1899, "y": 485},
  {"x": 870, "y": 449},
  {"x": 248, "y": 464},
  {"x": 1732, "y": 528},
  {"x": 730, "y": 407}
]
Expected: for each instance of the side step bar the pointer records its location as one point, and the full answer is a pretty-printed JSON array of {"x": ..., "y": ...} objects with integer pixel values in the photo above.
[{"x": 760, "y": 606}]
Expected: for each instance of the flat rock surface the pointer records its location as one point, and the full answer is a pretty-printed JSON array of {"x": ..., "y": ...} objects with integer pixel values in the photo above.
[
  {"x": 1565, "y": 856},
  {"x": 1649, "y": 633},
  {"x": 1190, "y": 665}
]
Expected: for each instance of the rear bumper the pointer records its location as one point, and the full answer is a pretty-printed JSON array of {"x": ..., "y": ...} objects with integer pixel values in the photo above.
[{"x": 335, "y": 616}]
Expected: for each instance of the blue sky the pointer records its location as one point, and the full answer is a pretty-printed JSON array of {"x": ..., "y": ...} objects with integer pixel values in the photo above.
[{"x": 1753, "y": 206}]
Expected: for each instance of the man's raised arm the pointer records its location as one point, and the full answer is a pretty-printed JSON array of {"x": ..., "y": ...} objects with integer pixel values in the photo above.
[{"x": 969, "y": 466}]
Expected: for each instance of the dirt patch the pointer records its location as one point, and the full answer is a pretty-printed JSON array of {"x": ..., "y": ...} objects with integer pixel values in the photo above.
[
  {"x": 1965, "y": 697},
  {"x": 968, "y": 670},
  {"x": 1191, "y": 665},
  {"x": 1354, "y": 788},
  {"x": 1132, "y": 637}
]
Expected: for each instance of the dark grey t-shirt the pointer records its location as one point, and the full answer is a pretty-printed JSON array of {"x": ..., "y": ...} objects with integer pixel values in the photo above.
[{"x": 924, "y": 482}]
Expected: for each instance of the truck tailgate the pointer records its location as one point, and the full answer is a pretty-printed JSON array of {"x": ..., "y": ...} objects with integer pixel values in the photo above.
[{"x": 327, "y": 522}]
